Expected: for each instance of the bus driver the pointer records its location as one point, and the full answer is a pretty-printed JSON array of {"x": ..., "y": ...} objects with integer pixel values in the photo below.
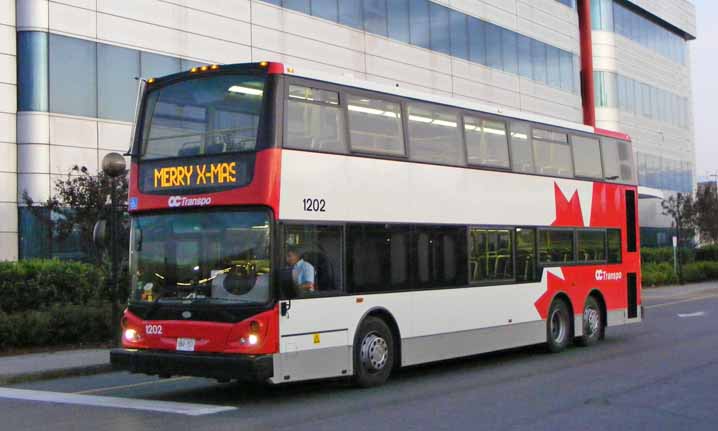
[{"x": 302, "y": 271}]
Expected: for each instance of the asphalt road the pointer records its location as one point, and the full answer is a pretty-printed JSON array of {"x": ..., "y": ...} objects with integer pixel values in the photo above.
[{"x": 659, "y": 375}]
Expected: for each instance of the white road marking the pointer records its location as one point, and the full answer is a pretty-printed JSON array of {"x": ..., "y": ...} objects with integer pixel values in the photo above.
[
  {"x": 697, "y": 298},
  {"x": 133, "y": 385},
  {"x": 187, "y": 409},
  {"x": 696, "y": 314}
]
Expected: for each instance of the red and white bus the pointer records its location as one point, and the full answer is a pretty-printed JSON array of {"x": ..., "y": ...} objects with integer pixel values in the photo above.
[{"x": 291, "y": 226}]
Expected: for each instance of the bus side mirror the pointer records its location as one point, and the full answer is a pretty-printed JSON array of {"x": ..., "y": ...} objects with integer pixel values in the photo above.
[{"x": 100, "y": 234}]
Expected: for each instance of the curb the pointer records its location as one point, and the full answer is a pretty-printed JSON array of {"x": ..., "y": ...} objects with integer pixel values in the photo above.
[{"x": 11, "y": 379}]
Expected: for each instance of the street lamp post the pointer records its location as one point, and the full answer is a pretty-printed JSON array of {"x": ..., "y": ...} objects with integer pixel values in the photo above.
[{"x": 113, "y": 165}]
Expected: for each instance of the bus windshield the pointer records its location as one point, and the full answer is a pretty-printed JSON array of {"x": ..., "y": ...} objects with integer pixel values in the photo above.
[
  {"x": 209, "y": 256},
  {"x": 201, "y": 116}
]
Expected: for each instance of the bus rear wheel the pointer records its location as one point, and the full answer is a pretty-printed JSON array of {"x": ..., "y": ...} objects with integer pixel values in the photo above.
[
  {"x": 593, "y": 325},
  {"x": 373, "y": 353},
  {"x": 558, "y": 326}
]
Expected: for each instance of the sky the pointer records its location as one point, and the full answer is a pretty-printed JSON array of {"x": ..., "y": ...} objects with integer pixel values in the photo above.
[{"x": 704, "y": 53}]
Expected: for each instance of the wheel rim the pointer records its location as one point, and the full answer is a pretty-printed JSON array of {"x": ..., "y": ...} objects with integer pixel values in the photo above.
[
  {"x": 558, "y": 327},
  {"x": 591, "y": 321},
  {"x": 374, "y": 352}
]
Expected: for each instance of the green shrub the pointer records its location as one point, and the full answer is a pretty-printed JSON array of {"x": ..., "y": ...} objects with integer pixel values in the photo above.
[
  {"x": 58, "y": 325},
  {"x": 658, "y": 274},
  {"x": 37, "y": 284},
  {"x": 708, "y": 253},
  {"x": 694, "y": 272},
  {"x": 665, "y": 255}
]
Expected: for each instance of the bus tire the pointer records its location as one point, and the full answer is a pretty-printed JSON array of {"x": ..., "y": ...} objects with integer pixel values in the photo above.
[
  {"x": 374, "y": 353},
  {"x": 558, "y": 326},
  {"x": 593, "y": 325}
]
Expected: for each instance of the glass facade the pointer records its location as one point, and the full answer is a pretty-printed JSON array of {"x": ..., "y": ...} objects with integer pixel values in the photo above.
[
  {"x": 432, "y": 26},
  {"x": 663, "y": 173},
  {"x": 89, "y": 79},
  {"x": 638, "y": 98},
  {"x": 616, "y": 16},
  {"x": 32, "y": 71}
]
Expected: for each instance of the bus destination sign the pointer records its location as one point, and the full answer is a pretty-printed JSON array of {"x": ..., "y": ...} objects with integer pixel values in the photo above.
[{"x": 201, "y": 174}]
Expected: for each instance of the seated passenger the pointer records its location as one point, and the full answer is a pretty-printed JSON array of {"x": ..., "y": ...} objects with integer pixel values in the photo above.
[{"x": 302, "y": 271}]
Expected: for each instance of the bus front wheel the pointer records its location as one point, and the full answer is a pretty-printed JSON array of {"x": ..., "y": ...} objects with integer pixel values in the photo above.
[
  {"x": 373, "y": 353},
  {"x": 558, "y": 326}
]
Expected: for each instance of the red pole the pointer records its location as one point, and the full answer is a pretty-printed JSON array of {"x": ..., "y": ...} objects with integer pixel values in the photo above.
[{"x": 587, "y": 84}]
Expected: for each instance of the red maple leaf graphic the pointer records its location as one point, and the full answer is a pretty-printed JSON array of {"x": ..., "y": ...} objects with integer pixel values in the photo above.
[{"x": 568, "y": 212}]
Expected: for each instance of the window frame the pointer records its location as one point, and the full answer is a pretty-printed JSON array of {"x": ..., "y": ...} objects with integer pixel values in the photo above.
[
  {"x": 512, "y": 234},
  {"x": 285, "y": 109},
  {"x": 605, "y": 247},
  {"x": 540, "y": 264},
  {"x": 552, "y": 129},
  {"x": 481, "y": 118},
  {"x": 571, "y": 137},
  {"x": 401, "y": 102}
]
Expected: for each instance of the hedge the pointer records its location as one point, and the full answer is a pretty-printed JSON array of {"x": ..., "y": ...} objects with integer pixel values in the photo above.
[
  {"x": 665, "y": 255},
  {"x": 661, "y": 274},
  {"x": 37, "y": 284},
  {"x": 60, "y": 324},
  {"x": 707, "y": 253}
]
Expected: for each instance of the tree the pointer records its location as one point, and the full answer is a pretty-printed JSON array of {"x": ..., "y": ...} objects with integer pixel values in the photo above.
[
  {"x": 706, "y": 209},
  {"x": 79, "y": 201},
  {"x": 681, "y": 209}
]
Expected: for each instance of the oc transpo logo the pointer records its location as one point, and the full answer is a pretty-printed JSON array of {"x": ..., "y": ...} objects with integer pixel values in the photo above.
[
  {"x": 602, "y": 275},
  {"x": 181, "y": 201}
]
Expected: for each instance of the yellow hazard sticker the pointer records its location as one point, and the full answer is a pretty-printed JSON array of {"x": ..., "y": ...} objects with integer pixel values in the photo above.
[{"x": 316, "y": 339}]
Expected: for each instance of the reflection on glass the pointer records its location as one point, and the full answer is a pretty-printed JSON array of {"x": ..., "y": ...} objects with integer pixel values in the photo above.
[
  {"x": 220, "y": 256},
  {"x": 201, "y": 116}
]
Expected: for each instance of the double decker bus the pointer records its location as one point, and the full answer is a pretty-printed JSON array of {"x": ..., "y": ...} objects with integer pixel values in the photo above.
[{"x": 291, "y": 226}]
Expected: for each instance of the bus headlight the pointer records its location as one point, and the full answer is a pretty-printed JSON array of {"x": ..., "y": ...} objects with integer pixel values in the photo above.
[
  {"x": 131, "y": 335},
  {"x": 253, "y": 339}
]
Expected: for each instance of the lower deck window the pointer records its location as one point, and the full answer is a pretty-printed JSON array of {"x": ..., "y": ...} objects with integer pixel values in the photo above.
[
  {"x": 555, "y": 246},
  {"x": 490, "y": 255}
]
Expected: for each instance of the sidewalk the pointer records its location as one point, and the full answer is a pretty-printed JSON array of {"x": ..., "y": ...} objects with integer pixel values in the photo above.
[{"x": 21, "y": 368}]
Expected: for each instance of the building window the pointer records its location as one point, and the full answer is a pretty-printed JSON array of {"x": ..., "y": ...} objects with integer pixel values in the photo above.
[
  {"x": 459, "y": 35},
  {"x": 32, "y": 71},
  {"x": 326, "y": 9},
  {"x": 375, "y": 17},
  {"x": 73, "y": 72},
  {"x": 375, "y": 126},
  {"x": 117, "y": 89},
  {"x": 350, "y": 13},
  {"x": 440, "y": 31}
]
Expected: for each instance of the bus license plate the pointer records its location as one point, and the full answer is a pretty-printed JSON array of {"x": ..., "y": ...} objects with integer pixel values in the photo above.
[{"x": 185, "y": 344}]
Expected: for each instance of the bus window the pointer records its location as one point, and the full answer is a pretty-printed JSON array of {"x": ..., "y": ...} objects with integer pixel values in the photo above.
[
  {"x": 525, "y": 254},
  {"x": 375, "y": 126},
  {"x": 552, "y": 155},
  {"x": 587, "y": 157},
  {"x": 555, "y": 246},
  {"x": 378, "y": 258},
  {"x": 434, "y": 134},
  {"x": 521, "y": 157},
  {"x": 440, "y": 256},
  {"x": 486, "y": 142},
  {"x": 614, "y": 246},
  {"x": 591, "y": 245},
  {"x": 312, "y": 259},
  {"x": 618, "y": 160},
  {"x": 490, "y": 255},
  {"x": 314, "y": 120}
]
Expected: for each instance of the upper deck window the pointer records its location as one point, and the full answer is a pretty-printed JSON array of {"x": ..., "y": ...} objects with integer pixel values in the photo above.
[
  {"x": 203, "y": 116},
  {"x": 486, "y": 142},
  {"x": 314, "y": 120},
  {"x": 552, "y": 155},
  {"x": 618, "y": 160},
  {"x": 587, "y": 157},
  {"x": 434, "y": 134},
  {"x": 375, "y": 126}
]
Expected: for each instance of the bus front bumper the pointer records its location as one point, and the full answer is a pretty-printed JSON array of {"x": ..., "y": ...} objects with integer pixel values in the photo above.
[{"x": 215, "y": 366}]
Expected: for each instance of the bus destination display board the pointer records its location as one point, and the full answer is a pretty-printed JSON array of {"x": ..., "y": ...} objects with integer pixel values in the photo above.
[{"x": 196, "y": 175}]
